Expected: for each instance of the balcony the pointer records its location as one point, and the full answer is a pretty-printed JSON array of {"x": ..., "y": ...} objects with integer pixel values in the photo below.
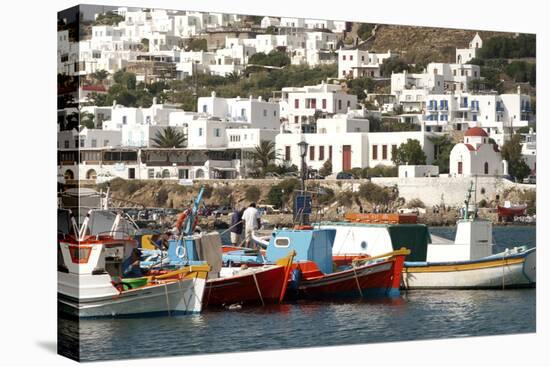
[{"x": 431, "y": 107}]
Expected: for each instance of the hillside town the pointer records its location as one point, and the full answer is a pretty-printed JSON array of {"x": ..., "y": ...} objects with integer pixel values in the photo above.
[{"x": 147, "y": 94}]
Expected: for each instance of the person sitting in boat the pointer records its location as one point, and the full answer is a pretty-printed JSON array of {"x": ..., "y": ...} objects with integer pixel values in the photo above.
[
  {"x": 131, "y": 266},
  {"x": 161, "y": 240}
]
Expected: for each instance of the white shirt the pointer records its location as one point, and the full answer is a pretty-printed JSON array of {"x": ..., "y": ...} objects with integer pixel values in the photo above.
[{"x": 250, "y": 218}]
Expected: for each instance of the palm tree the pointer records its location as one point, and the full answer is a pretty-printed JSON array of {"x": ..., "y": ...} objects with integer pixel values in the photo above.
[
  {"x": 100, "y": 75},
  {"x": 264, "y": 153},
  {"x": 169, "y": 137}
]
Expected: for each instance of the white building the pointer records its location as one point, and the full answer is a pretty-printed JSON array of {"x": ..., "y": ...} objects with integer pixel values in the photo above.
[
  {"x": 499, "y": 115},
  {"x": 88, "y": 138},
  {"x": 142, "y": 135},
  {"x": 407, "y": 171},
  {"x": 410, "y": 90},
  {"x": 157, "y": 114},
  {"x": 270, "y": 22},
  {"x": 529, "y": 149},
  {"x": 346, "y": 142},
  {"x": 476, "y": 156},
  {"x": 255, "y": 112},
  {"x": 301, "y": 106},
  {"x": 463, "y": 55},
  {"x": 358, "y": 63}
]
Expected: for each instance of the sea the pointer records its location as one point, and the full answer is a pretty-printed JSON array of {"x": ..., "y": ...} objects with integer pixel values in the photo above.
[{"x": 415, "y": 315}]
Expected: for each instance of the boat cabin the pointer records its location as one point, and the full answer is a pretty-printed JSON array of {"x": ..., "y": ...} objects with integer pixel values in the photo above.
[{"x": 310, "y": 245}]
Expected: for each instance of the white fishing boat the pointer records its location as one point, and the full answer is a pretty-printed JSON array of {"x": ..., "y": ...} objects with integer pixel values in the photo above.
[
  {"x": 467, "y": 262},
  {"x": 90, "y": 273}
]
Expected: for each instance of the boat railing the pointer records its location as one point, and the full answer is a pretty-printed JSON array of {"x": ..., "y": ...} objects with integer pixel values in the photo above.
[{"x": 364, "y": 260}]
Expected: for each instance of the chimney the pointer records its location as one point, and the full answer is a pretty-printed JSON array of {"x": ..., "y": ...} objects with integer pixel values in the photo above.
[
  {"x": 213, "y": 94},
  {"x": 260, "y": 98},
  {"x": 519, "y": 89},
  {"x": 114, "y": 103},
  {"x": 154, "y": 100}
]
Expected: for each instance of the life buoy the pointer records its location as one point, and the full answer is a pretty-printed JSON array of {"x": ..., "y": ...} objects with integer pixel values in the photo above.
[
  {"x": 181, "y": 219},
  {"x": 181, "y": 251}
]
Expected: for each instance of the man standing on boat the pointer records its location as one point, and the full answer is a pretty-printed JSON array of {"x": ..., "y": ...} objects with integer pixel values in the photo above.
[
  {"x": 236, "y": 227},
  {"x": 252, "y": 221}
]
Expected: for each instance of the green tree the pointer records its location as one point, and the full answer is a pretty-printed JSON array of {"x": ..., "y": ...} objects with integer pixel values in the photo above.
[
  {"x": 264, "y": 153},
  {"x": 87, "y": 119},
  {"x": 125, "y": 79},
  {"x": 326, "y": 169},
  {"x": 360, "y": 86},
  {"x": 443, "y": 145},
  {"x": 100, "y": 75},
  {"x": 108, "y": 18},
  {"x": 393, "y": 65},
  {"x": 409, "y": 153},
  {"x": 511, "y": 152},
  {"x": 197, "y": 44},
  {"x": 364, "y": 31},
  {"x": 170, "y": 137},
  {"x": 274, "y": 58},
  {"x": 252, "y": 193}
]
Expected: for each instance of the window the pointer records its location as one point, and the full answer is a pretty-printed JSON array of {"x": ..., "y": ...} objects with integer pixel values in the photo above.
[
  {"x": 265, "y": 113},
  {"x": 324, "y": 103},
  {"x": 486, "y": 168},
  {"x": 151, "y": 173},
  {"x": 330, "y": 152},
  {"x": 349, "y": 103},
  {"x": 148, "y": 119},
  {"x": 296, "y": 103},
  {"x": 393, "y": 150},
  {"x": 296, "y": 119},
  {"x": 106, "y": 142},
  {"x": 66, "y": 144},
  {"x": 94, "y": 143},
  {"x": 362, "y": 58},
  {"x": 200, "y": 131},
  {"x": 350, "y": 57},
  {"x": 282, "y": 242},
  {"x": 321, "y": 152},
  {"x": 217, "y": 132},
  {"x": 204, "y": 108},
  {"x": 124, "y": 120},
  {"x": 384, "y": 152},
  {"x": 243, "y": 112},
  {"x": 375, "y": 152},
  {"x": 339, "y": 104},
  {"x": 82, "y": 143},
  {"x": 312, "y": 153},
  {"x": 287, "y": 153},
  {"x": 459, "y": 168},
  {"x": 344, "y": 57},
  {"x": 274, "y": 113}
]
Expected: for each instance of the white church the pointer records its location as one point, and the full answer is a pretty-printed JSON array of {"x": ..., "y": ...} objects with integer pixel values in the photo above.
[{"x": 476, "y": 156}]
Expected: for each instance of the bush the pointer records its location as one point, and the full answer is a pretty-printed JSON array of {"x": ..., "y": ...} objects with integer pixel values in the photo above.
[
  {"x": 345, "y": 198},
  {"x": 482, "y": 203},
  {"x": 374, "y": 194},
  {"x": 382, "y": 171},
  {"x": 161, "y": 197},
  {"x": 252, "y": 193},
  {"x": 275, "y": 196},
  {"x": 326, "y": 170}
]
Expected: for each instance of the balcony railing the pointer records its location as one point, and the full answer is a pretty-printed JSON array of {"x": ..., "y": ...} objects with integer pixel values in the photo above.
[{"x": 432, "y": 107}]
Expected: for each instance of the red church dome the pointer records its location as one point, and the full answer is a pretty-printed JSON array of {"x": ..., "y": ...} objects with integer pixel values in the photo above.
[{"x": 475, "y": 131}]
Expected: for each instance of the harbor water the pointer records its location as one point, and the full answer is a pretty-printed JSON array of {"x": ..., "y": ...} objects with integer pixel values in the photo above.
[{"x": 415, "y": 315}]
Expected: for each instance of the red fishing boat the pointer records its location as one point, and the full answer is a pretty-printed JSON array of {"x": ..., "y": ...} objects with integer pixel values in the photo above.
[
  {"x": 509, "y": 212},
  {"x": 249, "y": 285}
]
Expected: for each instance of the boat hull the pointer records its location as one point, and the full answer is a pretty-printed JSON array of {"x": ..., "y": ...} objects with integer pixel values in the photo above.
[
  {"x": 491, "y": 273},
  {"x": 170, "y": 297},
  {"x": 258, "y": 285},
  {"x": 380, "y": 279}
]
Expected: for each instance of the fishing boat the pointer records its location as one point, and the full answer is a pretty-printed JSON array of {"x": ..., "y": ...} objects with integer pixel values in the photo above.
[
  {"x": 315, "y": 276},
  {"x": 227, "y": 284},
  {"x": 467, "y": 262},
  {"x": 91, "y": 281}
]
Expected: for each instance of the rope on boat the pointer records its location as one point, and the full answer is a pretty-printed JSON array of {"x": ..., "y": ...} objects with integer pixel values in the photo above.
[
  {"x": 183, "y": 294},
  {"x": 258, "y": 287},
  {"x": 167, "y": 300},
  {"x": 357, "y": 281}
]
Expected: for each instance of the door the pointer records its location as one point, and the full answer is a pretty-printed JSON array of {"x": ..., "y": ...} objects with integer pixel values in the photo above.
[
  {"x": 346, "y": 157},
  {"x": 131, "y": 173},
  {"x": 183, "y": 173},
  {"x": 459, "y": 168}
]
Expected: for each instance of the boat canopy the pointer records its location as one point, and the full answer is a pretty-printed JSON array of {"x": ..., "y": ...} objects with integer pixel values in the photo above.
[
  {"x": 310, "y": 245},
  {"x": 413, "y": 237}
]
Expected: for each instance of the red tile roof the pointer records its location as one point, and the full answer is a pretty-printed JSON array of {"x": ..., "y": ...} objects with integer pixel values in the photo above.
[{"x": 475, "y": 131}]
